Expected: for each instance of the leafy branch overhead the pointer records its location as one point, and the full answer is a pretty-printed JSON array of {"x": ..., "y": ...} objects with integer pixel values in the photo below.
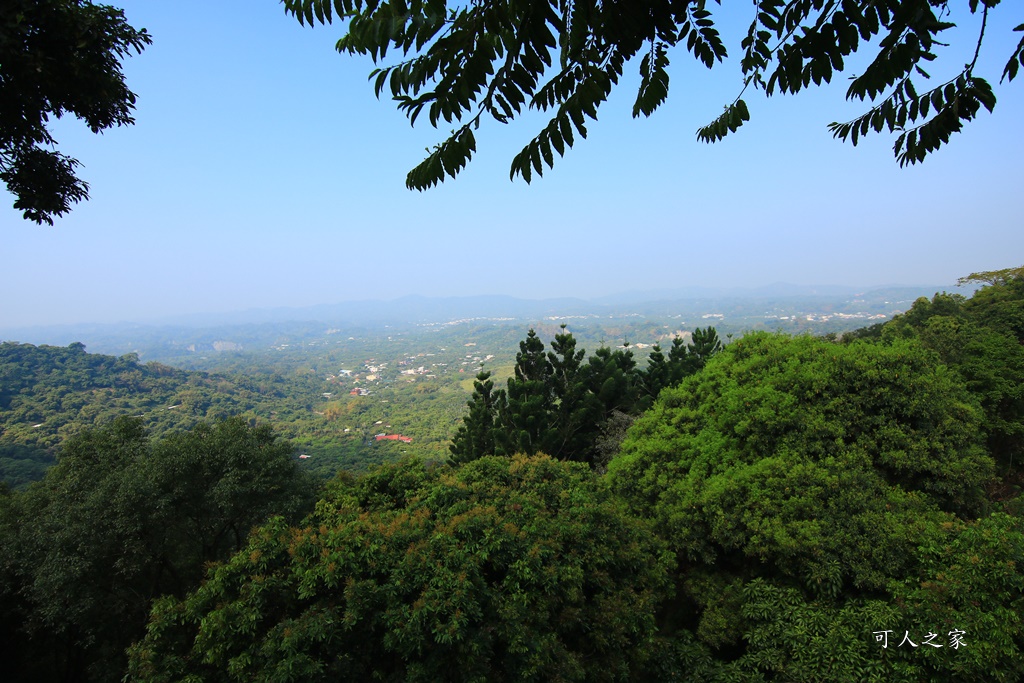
[
  {"x": 58, "y": 57},
  {"x": 491, "y": 58}
]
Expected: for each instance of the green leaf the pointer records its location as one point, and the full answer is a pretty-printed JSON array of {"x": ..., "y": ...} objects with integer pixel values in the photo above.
[{"x": 729, "y": 122}]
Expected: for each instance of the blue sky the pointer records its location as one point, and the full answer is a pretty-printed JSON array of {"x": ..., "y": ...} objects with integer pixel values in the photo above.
[{"x": 262, "y": 172}]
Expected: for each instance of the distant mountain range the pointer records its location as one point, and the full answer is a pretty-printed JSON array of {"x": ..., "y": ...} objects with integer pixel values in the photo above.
[{"x": 413, "y": 311}]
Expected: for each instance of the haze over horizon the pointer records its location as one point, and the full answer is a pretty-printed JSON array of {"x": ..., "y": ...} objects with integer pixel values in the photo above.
[
  {"x": 262, "y": 173},
  {"x": 415, "y": 307}
]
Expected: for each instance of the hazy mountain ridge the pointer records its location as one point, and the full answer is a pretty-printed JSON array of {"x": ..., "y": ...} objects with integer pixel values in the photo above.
[{"x": 414, "y": 310}]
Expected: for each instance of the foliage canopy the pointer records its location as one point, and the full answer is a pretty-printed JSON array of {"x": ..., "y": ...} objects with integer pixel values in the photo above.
[
  {"x": 121, "y": 520},
  {"x": 567, "y": 408},
  {"x": 58, "y": 57},
  {"x": 506, "y": 569},
  {"x": 816, "y": 493},
  {"x": 494, "y": 58},
  {"x": 784, "y": 503},
  {"x": 49, "y": 393},
  {"x": 982, "y": 338},
  {"x": 793, "y": 450}
]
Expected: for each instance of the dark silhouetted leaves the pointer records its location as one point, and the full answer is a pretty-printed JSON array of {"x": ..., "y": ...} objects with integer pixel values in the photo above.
[
  {"x": 493, "y": 59},
  {"x": 56, "y": 58}
]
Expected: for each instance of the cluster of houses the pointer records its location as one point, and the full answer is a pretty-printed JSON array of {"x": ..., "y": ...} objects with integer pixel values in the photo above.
[
  {"x": 410, "y": 368},
  {"x": 825, "y": 317},
  {"x": 393, "y": 437}
]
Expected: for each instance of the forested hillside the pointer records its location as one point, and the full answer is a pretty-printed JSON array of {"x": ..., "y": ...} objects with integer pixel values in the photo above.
[
  {"x": 821, "y": 509},
  {"x": 690, "y": 482},
  {"x": 331, "y": 401},
  {"x": 330, "y": 397},
  {"x": 298, "y": 376},
  {"x": 775, "y": 508},
  {"x": 48, "y": 394}
]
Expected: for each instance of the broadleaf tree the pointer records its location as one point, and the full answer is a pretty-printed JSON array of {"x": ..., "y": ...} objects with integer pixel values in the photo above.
[
  {"x": 121, "y": 520},
  {"x": 982, "y": 338},
  {"x": 463, "y": 63},
  {"x": 818, "y": 495},
  {"x": 58, "y": 57},
  {"x": 506, "y": 569}
]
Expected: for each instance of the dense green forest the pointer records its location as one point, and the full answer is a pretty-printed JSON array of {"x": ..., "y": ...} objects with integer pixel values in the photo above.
[
  {"x": 409, "y": 385},
  {"x": 297, "y": 376},
  {"x": 48, "y": 394},
  {"x": 776, "y": 508},
  {"x": 414, "y": 385},
  {"x": 121, "y": 520}
]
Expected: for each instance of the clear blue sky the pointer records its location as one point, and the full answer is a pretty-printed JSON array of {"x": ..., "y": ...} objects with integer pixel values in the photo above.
[{"x": 262, "y": 172}]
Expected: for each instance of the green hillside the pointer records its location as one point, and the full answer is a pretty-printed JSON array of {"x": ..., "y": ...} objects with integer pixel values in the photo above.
[
  {"x": 778, "y": 508},
  {"x": 48, "y": 394}
]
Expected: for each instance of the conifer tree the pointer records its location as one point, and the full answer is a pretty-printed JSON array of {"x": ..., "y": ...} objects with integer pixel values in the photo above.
[
  {"x": 525, "y": 415},
  {"x": 705, "y": 345},
  {"x": 475, "y": 437},
  {"x": 656, "y": 376},
  {"x": 559, "y": 405},
  {"x": 679, "y": 362},
  {"x": 613, "y": 380},
  {"x": 574, "y": 410}
]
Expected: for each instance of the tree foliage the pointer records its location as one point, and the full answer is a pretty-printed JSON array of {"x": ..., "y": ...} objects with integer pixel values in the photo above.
[
  {"x": 58, "y": 57},
  {"x": 982, "y": 338},
  {"x": 801, "y": 452},
  {"x": 50, "y": 393},
  {"x": 503, "y": 570},
  {"x": 784, "y": 505},
  {"x": 567, "y": 405},
  {"x": 993, "y": 277},
  {"x": 494, "y": 59},
  {"x": 817, "y": 493},
  {"x": 120, "y": 521},
  {"x": 527, "y": 402},
  {"x": 475, "y": 437}
]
